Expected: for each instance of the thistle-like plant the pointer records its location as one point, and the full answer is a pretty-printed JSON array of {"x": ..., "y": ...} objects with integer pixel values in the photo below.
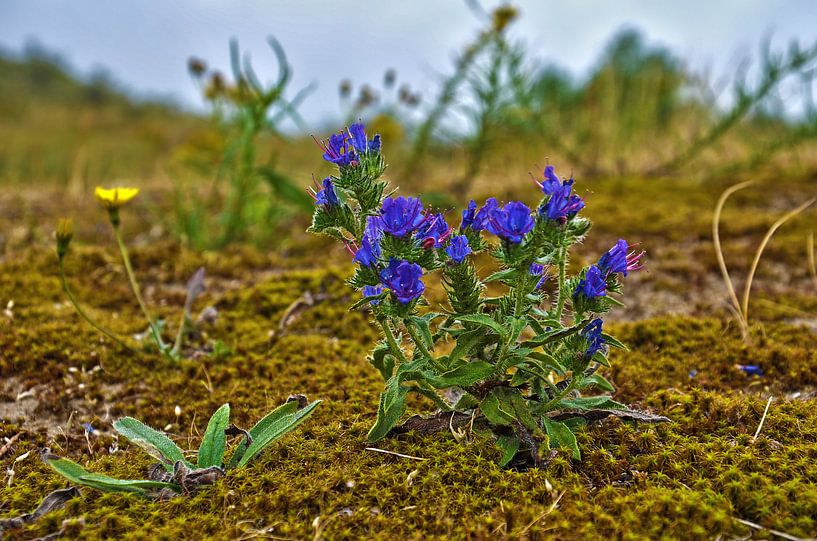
[
  {"x": 113, "y": 199},
  {"x": 523, "y": 364},
  {"x": 174, "y": 474}
]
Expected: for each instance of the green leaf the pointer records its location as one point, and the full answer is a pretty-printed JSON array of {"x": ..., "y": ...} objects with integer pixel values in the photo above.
[
  {"x": 211, "y": 450},
  {"x": 509, "y": 446},
  {"x": 546, "y": 360},
  {"x": 155, "y": 443},
  {"x": 613, "y": 342},
  {"x": 517, "y": 325},
  {"x": 503, "y": 275},
  {"x": 80, "y": 476},
  {"x": 389, "y": 411},
  {"x": 271, "y": 431},
  {"x": 463, "y": 376},
  {"x": 493, "y": 410},
  {"x": 599, "y": 381},
  {"x": 275, "y": 418},
  {"x": 591, "y": 402},
  {"x": 465, "y": 342},
  {"x": 484, "y": 321},
  {"x": 425, "y": 331},
  {"x": 560, "y": 435}
]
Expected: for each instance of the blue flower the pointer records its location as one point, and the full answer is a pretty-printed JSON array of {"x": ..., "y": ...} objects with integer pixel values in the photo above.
[
  {"x": 338, "y": 150},
  {"x": 371, "y": 291},
  {"x": 468, "y": 215},
  {"x": 433, "y": 232},
  {"x": 751, "y": 369},
  {"x": 538, "y": 270},
  {"x": 357, "y": 133},
  {"x": 511, "y": 222},
  {"x": 458, "y": 248},
  {"x": 327, "y": 196},
  {"x": 403, "y": 279},
  {"x": 551, "y": 183},
  {"x": 401, "y": 216},
  {"x": 375, "y": 144},
  {"x": 480, "y": 221},
  {"x": 616, "y": 259},
  {"x": 563, "y": 203},
  {"x": 592, "y": 285},
  {"x": 368, "y": 252},
  {"x": 595, "y": 341}
]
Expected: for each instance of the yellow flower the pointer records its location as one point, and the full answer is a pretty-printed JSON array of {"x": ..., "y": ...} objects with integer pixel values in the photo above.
[{"x": 114, "y": 198}]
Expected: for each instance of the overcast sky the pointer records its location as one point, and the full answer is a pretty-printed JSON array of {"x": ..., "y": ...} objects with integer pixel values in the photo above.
[{"x": 145, "y": 44}]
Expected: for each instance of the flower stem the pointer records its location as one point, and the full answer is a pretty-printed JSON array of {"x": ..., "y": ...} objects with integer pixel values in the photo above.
[
  {"x": 393, "y": 345},
  {"x": 544, "y": 408},
  {"x": 422, "y": 347},
  {"x": 560, "y": 302},
  {"x": 154, "y": 330},
  {"x": 85, "y": 316}
]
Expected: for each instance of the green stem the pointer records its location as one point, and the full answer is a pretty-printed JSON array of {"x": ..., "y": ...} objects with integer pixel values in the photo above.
[
  {"x": 422, "y": 347},
  {"x": 560, "y": 303},
  {"x": 544, "y": 408},
  {"x": 520, "y": 292},
  {"x": 85, "y": 316},
  {"x": 393, "y": 345},
  {"x": 154, "y": 330}
]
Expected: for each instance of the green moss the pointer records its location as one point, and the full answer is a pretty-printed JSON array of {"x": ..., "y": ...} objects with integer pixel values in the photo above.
[{"x": 691, "y": 478}]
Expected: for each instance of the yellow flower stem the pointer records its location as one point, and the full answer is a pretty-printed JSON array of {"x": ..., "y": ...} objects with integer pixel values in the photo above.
[
  {"x": 154, "y": 330},
  {"x": 83, "y": 315}
]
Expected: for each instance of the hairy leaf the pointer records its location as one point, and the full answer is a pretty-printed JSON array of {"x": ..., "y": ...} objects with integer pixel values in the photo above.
[
  {"x": 211, "y": 450},
  {"x": 274, "y": 430},
  {"x": 155, "y": 443},
  {"x": 560, "y": 435}
]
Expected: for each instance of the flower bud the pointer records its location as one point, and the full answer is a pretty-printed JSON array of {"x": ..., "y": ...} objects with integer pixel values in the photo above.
[{"x": 64, "y": 234}]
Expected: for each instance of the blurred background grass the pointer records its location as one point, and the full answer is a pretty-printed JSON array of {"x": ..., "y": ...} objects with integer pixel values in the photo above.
[{"x": 232, "y": 173}]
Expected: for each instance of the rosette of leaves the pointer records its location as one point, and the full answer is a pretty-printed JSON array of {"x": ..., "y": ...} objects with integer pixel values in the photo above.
[
  {"x": 175, "y": 473},
  {"x": 522, "y": 365}
]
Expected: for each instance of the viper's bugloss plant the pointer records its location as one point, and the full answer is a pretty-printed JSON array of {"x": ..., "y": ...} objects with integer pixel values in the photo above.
[
  {"x": 525, "y": 363},
  {"x": 174, "y": 474}
]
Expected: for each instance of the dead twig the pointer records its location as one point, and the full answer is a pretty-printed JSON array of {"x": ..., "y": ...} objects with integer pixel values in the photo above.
[{"x": 7, "y": 447}]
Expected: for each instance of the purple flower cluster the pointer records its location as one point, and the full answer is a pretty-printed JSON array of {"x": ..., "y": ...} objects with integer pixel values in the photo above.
[
  {"x": 401, "y": 216},
  {"x": 345, "y": 147},
  {"x": 613, "y": 261},
  {"x": 458, "y": 249},
  {"x": 592, "y": 333},
  {"x": 563, "y": 203},
  {"x": 403, "y": 279},
  {"x": 510, "y": 222},
  {"x": 326, "y": 196},
  {"x": 433, "y": 232},
  {"x": 617, "y": 259}
]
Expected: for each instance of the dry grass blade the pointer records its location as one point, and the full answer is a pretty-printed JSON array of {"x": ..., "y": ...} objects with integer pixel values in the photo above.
[
  {"x": 763, "y": 419},
  {"x": 716, "y": 240},
  {"x": 385, "y": 452},
  {"x": 777, "y": 533},
  {"x": 812, "y": 265},
  {"x": 775, "y": 226},
  {"x": 543, "y": 515}
]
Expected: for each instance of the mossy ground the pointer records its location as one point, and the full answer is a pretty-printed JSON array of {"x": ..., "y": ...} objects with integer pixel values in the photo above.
[{"x": 692, "y": 478}]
